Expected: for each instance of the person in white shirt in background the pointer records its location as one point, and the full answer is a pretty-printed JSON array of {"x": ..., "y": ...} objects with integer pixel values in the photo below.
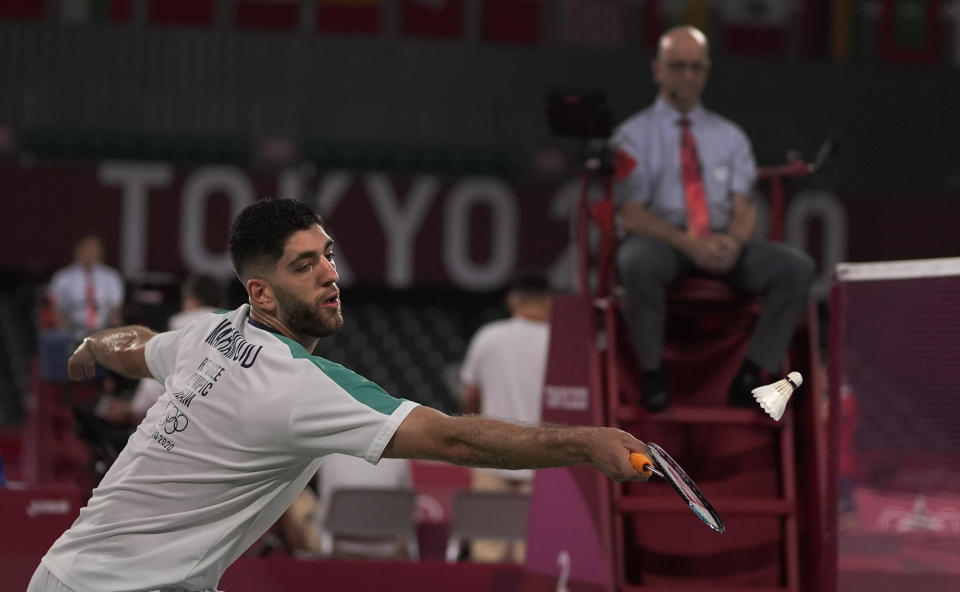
[
  {"x": 200, "y": 295},
  {"x": 502, "y": 376},
  {"x": 86, "y": 295}
]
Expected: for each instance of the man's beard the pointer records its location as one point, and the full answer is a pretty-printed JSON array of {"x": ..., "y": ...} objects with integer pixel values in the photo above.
[{"x": 303, "y": 318}]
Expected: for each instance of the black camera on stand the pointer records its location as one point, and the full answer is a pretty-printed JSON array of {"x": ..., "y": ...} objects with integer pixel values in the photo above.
[
  {"x": 587, "y": 117},
  {"x": 583, "y": 115}
]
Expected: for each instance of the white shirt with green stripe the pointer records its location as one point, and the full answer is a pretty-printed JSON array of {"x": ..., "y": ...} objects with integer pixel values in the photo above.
[{"x": 239, "y": 431}]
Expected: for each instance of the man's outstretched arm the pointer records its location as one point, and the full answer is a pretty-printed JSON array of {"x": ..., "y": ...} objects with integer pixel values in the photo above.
[
  {"x": 120, "y": 349},
  {"x": 478, "y": 441}
]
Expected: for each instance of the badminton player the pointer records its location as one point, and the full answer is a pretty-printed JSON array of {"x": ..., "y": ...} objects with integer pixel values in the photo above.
[{"x": 246, "y": 414}]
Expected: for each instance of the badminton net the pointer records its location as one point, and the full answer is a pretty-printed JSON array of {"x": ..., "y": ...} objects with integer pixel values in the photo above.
[{"x": 895, "y": 445}]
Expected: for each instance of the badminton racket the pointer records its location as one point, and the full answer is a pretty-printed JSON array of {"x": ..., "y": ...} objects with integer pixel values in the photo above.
[{"x": 658, "y": 462}]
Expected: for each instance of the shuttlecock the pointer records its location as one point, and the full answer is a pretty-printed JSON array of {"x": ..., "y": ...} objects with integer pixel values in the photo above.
[{"x": 773, "y": 397}]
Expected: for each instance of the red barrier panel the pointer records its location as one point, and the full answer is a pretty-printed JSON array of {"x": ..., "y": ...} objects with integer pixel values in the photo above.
[
  {"x": 293, "y": 575},
  {"x": 31, "y": 520},
  {"x": 282, "y": 574}
]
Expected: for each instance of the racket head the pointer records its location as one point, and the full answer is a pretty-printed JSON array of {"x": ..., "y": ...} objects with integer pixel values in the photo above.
[{"x": 684, "y": 486}]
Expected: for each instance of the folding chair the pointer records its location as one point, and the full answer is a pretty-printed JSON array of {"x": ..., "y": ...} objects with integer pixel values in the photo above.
[
  {"x": 372, "y": 515},
  {"x": 487, "y": 515}
]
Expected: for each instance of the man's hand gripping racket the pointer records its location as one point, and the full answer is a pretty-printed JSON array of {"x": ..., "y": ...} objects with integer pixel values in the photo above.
[{"x": 659, "y": 463}]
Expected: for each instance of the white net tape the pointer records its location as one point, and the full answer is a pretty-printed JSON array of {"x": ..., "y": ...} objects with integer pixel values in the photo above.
[{"x": 897, "y": 270}]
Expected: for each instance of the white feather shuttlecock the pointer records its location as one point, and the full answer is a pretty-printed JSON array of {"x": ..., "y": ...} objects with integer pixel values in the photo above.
[{"x": 773, "y": 397}]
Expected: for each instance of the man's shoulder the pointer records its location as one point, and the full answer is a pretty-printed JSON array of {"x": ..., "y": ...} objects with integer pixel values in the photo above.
[
  {"x": 494, "y": 330},
  {"x": 105, "y": 271},
  {"x": 231, "y": 333},
  {"x": 65, "y": 273},
  {"x": 720, "y": 122},
  {"x": 507, "y": 330},
  {"x": 639, "y": 121}
]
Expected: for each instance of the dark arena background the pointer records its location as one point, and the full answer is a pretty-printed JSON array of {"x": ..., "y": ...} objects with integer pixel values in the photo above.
[{"x": 419, "y": 129}]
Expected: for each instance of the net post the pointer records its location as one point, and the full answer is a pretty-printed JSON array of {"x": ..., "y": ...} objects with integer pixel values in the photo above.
[{"x": 834, "y": 381}]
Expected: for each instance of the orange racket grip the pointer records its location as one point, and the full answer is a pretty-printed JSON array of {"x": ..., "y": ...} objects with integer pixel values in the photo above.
[{"x": 642, "y": 463}]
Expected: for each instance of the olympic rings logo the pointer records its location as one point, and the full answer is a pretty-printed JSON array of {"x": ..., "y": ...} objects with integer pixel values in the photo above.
[{"x": 174, "y": 421}]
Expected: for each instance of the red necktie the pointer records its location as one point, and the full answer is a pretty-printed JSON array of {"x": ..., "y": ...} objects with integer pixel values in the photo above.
[
  {"x": 698, "y": 215},
  {"x": 91, "y": 302}
]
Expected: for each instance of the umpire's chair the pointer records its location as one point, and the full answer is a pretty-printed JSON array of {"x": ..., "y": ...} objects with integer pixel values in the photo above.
[{"x": 747, "y": 463}]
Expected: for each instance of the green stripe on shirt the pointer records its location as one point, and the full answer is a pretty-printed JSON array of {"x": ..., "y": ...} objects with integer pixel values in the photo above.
[{"x": 361, "y": 389}]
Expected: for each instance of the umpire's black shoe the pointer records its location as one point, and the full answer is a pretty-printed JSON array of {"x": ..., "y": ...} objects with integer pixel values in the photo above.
[
  {"x": 741, "y": 389},
  {"x": 655, "y": 396}
]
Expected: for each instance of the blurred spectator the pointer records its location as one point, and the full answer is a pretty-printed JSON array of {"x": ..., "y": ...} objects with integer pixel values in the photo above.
[
  {"x": 848, "y": 521},
  {"x": 684, "y": 180},
  {"x": 200, "y": 295},
  {"x": 86, "y": 295},
  {"x": 341, "y": 471},
  {"x": 502, "y": 376},
  {"x": 297, "y": 526},
  {"x": 82, "y": 298}
]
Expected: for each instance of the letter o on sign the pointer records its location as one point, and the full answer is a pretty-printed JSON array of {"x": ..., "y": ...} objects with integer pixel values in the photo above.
[{"x": 496, "y": 195}]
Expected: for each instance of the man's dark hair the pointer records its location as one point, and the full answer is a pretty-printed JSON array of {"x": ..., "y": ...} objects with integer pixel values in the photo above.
[
  {"x": 259, "y": 231},
  {"x": 206, "y": 289},
  {"x": 529, "y": 282}
]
